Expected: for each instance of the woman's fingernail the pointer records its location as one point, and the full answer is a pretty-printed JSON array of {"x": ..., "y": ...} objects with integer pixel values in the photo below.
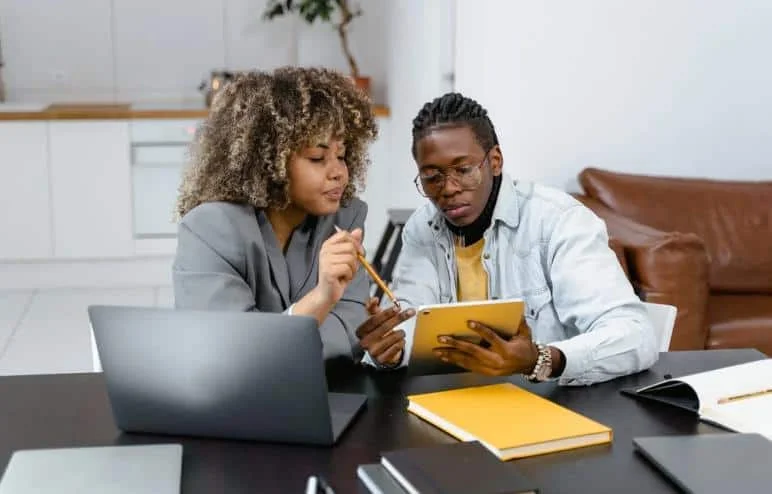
[
  {"x": 443, "y": 339},
  {"x": 472, "y": 324}
]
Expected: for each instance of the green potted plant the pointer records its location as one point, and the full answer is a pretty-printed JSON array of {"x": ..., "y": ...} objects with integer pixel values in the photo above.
[{"x": 310, "y": 10}]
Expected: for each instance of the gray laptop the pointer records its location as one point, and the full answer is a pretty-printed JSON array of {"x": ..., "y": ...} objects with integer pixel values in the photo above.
[
  {"x": 144, "y": 469},
  {"x": 237, "y": 375}
]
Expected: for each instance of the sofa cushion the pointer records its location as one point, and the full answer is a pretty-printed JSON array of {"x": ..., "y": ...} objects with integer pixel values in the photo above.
[
  {"x": 740, "y": 321},
  {"x": 734, "y": 219}
]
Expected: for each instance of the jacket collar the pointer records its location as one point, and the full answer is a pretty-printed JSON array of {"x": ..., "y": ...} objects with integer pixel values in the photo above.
[{"x": 507, "y": 208}]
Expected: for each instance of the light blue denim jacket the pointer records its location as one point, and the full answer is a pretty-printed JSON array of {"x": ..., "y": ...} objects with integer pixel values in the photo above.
[{"x": 550, "y": 250}]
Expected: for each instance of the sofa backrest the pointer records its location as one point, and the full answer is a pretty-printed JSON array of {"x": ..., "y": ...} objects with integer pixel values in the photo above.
[{"x": 734, "y": 219}]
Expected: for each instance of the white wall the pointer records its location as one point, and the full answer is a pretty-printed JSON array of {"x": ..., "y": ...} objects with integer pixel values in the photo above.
[
  {"x": 92, "y": 50},
  {"x": 420, "y": 65},
  {"x": 665, "y": 87}
]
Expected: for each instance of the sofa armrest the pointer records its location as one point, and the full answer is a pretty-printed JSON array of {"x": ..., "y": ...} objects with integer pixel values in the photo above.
[{"x": 666, "y": 268}]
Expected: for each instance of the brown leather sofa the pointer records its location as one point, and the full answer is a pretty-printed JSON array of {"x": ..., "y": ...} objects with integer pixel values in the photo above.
[{"x": 704, "y": 246}]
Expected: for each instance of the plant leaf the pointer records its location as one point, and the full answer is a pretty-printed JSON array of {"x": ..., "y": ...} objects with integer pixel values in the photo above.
[
  {"x": 275, "y": 11},
  {"x": 325, "y": 9},
  {"x": 309, "y": 10}
]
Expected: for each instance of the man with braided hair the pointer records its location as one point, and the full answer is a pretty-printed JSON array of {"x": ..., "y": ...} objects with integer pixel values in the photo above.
[{"x": 483, "y": 236}]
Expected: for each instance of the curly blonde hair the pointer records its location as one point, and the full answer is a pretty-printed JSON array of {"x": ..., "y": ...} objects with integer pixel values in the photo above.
[{"x": 241, "y": 151}]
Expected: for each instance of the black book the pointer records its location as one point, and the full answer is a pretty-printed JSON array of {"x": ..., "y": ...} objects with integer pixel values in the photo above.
[
  {"x": 455, "y": 468},
  {"x": 711, "y": 463},
  {"x": 377, "y": 480}
]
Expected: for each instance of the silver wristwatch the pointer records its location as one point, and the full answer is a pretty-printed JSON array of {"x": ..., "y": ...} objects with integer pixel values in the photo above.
[{"x": 543, "y": 368}]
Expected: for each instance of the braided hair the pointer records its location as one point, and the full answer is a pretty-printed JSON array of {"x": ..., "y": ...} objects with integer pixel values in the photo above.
[{"x": 455, "y": 110}]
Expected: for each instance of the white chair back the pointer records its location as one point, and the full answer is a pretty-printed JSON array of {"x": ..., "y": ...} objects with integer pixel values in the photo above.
[
  {"x": 663, "y": 319},
  {"x": 96, "y": 363}
]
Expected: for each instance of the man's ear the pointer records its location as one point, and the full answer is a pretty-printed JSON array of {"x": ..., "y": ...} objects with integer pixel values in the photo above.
[{"x": 497, "y": 160}]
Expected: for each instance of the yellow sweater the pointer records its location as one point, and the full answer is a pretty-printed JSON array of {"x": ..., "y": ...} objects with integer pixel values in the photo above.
[{"x": 472, "y": 281}]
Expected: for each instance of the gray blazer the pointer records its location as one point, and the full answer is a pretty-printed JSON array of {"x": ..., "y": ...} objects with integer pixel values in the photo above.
[{"x": 228, "y": 258}]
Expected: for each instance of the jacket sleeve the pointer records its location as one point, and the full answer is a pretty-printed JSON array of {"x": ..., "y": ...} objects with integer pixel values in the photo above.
[
  {"x": 209, "y": 264},
  {"x": 592, "y": 294}
]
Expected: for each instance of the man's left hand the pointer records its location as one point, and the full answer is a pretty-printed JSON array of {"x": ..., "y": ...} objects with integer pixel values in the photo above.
[
  {"x": 517, "y": 355},
  {"x": 377, "y": 335}
]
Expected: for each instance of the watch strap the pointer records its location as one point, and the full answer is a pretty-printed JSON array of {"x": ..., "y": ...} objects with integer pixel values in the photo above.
[{"x": 543, "y": 368}]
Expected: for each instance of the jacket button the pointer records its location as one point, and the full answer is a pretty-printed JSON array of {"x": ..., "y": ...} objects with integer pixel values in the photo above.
[{"x": 486, "y": 256}]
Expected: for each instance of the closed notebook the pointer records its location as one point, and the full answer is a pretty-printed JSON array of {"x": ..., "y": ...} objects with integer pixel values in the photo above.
[
  {"x": 712, "y": 463},
  {"x": 458, "y": 468},
  {"x": 378, "y": 480},
  {"x": 129, "y": 469},
  {"x": 508, "y": 420}
]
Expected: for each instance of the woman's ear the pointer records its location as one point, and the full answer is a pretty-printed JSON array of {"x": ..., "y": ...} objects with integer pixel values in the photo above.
[{"x": 497, "y": 160}]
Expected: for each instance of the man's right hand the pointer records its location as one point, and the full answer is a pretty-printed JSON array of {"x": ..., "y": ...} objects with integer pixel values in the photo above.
[{"x": 377, "y": 336}]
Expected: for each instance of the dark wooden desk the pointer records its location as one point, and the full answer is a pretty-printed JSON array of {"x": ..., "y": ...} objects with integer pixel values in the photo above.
[{"x": 73, "y": 410}]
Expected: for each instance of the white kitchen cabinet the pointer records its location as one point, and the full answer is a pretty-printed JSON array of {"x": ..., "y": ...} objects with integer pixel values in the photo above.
[
  {"x": 163, "y": 130},
  {"x": 159, "y": 151},
  {"x": 155, "y": 197},
  {"x": 25, "y": 206},
  {"x": 91, "y": 194}
]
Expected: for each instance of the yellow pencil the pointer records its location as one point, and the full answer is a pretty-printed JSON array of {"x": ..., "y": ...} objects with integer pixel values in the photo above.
[
  {"x": 373, "y": 274},
  {"x": 744, "y": 396}
]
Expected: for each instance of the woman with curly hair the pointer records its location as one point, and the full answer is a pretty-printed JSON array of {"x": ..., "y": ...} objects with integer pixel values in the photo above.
[{"x": 274, "y": 173}]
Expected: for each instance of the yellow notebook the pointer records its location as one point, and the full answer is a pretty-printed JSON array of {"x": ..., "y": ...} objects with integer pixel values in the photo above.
[{"x": 508, "y": 420}]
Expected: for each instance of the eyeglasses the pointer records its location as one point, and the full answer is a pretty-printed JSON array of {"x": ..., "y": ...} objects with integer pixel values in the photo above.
[{"x": 431, "y": 182}]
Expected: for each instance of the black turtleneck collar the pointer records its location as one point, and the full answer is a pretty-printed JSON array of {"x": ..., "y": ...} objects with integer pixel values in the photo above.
[{"x": 473, "y": 232}]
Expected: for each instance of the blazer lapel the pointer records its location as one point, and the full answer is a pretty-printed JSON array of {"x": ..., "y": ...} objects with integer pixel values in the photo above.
[
  {"x": 278, "y": 264},
  {"x": 303, "y": 255}
]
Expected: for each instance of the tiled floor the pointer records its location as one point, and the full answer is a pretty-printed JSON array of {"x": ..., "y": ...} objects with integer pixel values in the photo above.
[{"x": 47, "y": 331}]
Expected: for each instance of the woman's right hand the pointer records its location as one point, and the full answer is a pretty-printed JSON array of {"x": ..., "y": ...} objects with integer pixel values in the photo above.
[{"x": 338, "y": 264}]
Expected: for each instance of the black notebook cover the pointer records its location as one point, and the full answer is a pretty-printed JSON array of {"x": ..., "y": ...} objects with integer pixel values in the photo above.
[
  {"x": 712, "y": 463},
  {"x": 455, "y": 468}
]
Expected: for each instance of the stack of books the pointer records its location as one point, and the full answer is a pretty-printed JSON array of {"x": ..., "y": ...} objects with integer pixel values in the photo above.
[
  {"x": 450, "y": 468},
  {"x": 495, "y": 423}
]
